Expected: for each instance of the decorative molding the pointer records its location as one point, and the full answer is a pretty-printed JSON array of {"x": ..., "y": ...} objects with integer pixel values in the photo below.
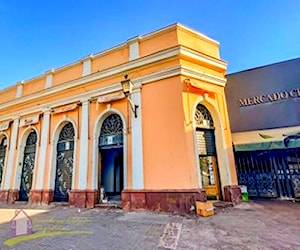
[
  {"x": 49, "y": 80},
  {"x": 19, "y": 90},
  {"x": 29, "y": 120},
  {"x": 4, "y": 125},
  {"x": 65, "y": 108},
  {"x": 86, "y": 67},
  {"x": 157, "y": 57},
  {"x": 111, "y": 97},
  {"x": 134, "y": 48},
  {"x": 116, "y": 87},
  {"x": 202, "y": 76},
  {"x": 203, "y": 58}
]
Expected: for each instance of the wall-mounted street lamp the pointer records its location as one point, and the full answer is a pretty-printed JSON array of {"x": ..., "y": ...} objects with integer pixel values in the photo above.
[{"x": 127, "y": 90}]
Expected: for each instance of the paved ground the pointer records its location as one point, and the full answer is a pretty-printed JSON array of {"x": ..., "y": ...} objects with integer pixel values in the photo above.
[{"x": 253, "y": 225}]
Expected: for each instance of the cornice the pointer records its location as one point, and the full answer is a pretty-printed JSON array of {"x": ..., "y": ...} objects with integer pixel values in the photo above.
[
  {"x": 202, "y": 58},
  {"x": 114, "y": 87},
  {"x": 203, "y": 76},
  {"x": 154, "y": 58}
]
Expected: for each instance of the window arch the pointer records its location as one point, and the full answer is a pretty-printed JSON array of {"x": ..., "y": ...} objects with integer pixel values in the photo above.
[
  {"x": 203, "y": 117},
  {"x": 111, "y": 131}
]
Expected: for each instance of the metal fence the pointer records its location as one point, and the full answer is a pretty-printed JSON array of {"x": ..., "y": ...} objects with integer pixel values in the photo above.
[{"x": 270, "y": 173}]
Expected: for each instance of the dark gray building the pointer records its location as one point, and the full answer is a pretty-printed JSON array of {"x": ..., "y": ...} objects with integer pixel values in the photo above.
[{"x": 264, "y": 111}]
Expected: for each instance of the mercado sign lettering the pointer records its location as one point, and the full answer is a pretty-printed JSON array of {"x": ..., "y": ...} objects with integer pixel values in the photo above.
[{"x": 267, "y": 98}]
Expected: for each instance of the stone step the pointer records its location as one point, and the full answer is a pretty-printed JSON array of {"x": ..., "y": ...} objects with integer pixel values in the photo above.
[{"x": 113, "y": 205}]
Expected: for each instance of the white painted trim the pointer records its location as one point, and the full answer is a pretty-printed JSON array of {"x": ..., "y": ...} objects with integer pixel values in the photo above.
[
  {"x": 172, "y": 26},
  {"x": 43, "y": 150},
  {"x": 19, "y": 90},
  {"x": 84, "y": 146},
  {"x": 202, "y": 58},
  {"x": 49, "y": 81},
  {"x": 137, "y": 143},
  {"x": 134, "y": 48},
  {"x": 11, "y": 163},
  {"x": 115, "y": 87},
  {"x": 95, "y": 157},
  {"x": 203, "y": 76},
  {"x": 53, "y": 154},
  {"x": 86, "y": 67},
  {"x": 157, "y": 57}
]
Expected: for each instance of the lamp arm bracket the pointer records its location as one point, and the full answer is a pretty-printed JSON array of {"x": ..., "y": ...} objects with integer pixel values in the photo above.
[{"x": 133, "y": 106}]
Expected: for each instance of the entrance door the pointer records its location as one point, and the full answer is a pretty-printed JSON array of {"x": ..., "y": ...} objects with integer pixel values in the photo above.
[
  {"x": 111, "y": 152},
  {"x": 208, "y": 164},
  {"x": 28, "y": 166},
  {"x": 112, "y": 170},
  {"x": 64, "y": 163},
  {"x": 3, "y": 145}
]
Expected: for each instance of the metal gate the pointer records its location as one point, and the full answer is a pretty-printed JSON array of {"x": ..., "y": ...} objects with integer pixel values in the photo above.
[
  {"x": 28, "y": 166},
  {"x": 64, "y": 163},
  {"x": 3, "y": 144},
  {"x": 270, "y": 173}
]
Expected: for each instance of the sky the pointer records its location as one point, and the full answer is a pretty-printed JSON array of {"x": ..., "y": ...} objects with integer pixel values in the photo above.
[{"x": 36, "y": 36}]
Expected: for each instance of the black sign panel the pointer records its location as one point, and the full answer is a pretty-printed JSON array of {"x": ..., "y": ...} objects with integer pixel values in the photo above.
[{"x": 265, "y": 97}]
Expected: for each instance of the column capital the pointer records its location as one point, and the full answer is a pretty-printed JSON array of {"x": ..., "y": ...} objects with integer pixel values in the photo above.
[
  {"x": 47, "y": 110},
  {"x": 85, "y": 101},
  {"x": 16, "y": 118}
]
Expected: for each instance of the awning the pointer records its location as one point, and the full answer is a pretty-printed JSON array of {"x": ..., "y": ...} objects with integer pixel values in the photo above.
[
  {"x": 111, "y": 97},
  {"x": 267, "y": 145},
  {"x": 282, "y": 138}
]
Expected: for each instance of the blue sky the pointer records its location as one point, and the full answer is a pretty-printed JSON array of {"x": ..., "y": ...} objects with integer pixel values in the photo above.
[{"x": 37, "y": 36}]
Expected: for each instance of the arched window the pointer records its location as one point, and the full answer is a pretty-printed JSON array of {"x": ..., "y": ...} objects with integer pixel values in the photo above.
[
  {"x": 203, "y": 118},
  {"x": 111, "y": 131}
]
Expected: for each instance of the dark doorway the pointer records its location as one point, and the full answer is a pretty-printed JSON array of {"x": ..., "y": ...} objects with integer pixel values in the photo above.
[
  {"x": 112, "y": 170},
  {"x": 111, "y": 154},
  {"x": 28, "y": 166}
]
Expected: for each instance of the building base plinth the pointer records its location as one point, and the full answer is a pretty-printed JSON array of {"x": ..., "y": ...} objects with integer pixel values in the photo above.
[
  {"x": 40, "y": 196},
  {"x": 182, "y": 201},
  {"x": 35, "y": 196},
  {"x": 83, "y": 198},
  {"x": 4, "y": 195},
  {"x": 233, "y": 194},
  {"x": 9, "y": 196}
]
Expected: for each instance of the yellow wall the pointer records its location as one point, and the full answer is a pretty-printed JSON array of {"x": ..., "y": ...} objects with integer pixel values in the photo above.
[
  {"x": 167, "y": 107},
  {"x": 8, "y": 94},
  {"x": 110, "y": 59},
  {"x": 34, "y": 86},
  {"x": 198, "y": 43},
  {"x": 67, "y": 74},
  {"x": 166, "y": 142},
  {"x": 158, "y": 42}
]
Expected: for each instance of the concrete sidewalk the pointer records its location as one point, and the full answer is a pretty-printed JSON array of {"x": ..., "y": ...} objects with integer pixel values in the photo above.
[{"x": 253, "y": 225}]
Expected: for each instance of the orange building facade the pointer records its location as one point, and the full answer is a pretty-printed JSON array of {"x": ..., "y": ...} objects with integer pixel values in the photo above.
[{"x": 70, "y": 135}]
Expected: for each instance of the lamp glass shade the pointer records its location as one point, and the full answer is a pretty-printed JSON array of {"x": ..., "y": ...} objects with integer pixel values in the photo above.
[{"x": 127, "y": 86}]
